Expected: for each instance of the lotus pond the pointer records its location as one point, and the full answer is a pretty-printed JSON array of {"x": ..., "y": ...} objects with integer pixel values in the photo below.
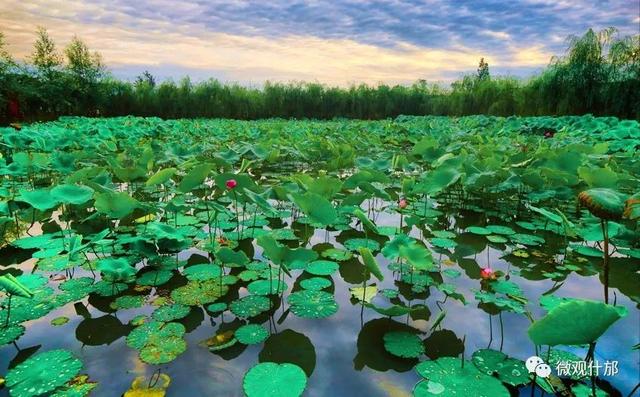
[{"x": 425, "y": 256}]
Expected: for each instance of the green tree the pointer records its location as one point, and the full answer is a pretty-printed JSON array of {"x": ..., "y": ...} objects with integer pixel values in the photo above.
[
  {"x": 81, "y": 63},
  {"x": 483, "y": 70},
  {"x": 45, "y": 57}
]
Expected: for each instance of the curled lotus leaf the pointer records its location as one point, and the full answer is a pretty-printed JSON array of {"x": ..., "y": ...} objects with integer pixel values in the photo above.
[{"x": 603, "y": 203}]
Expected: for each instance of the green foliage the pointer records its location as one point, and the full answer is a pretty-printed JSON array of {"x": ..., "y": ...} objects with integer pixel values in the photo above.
[{"x": 600, "y": 74}]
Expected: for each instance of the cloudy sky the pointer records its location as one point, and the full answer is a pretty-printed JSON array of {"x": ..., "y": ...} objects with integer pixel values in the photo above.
[{"x": 336, "y": 42}]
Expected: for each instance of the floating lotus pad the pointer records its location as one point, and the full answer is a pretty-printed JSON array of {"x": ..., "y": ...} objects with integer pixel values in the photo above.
[
  {"x": 42, "y": 373},
  {"x": 171, "y": 312},
  {"x": 58, "y": 321},
  {"x": 10, "y": 333},
  {"x": 403, "y": 344},
  {"x": 202, "y": 272},
  {"x": 499, "y": 229},
  {"x": 158, "y": 342},
  {"x": 445, "y": 377},
  {"x": 316, "y": 283},
  {"x": 443, "y": 242},
  {"x": 508, "y": 370},
  {"x": 251, "y": 334},
  {"x": 267, "y": 287},
  {"x": 271, "y": 379},
  {"x": 217, "y": 307},
  {"x": 128, "y": 302},
  {"x": 337, "y": 254},
  {"x": 154, "y": 277},
  {"x": 365, "y": 294},
  {"x": 322, "y": 268},
  {"x": 197, "y": 293},
  {"x": 482, "y": 231},
  {"x": 250, "y": 306},
  {"x": 312, "y": 304}
]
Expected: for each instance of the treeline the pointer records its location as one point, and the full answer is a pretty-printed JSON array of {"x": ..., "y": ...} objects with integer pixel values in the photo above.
[{"x": 598, "y": 74}]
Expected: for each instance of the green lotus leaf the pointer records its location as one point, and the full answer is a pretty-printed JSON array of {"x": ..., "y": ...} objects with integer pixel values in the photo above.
[
  {"x": 391, "y": 249},
  {"x": 316, "y": 283},
  {"x": 271, "y": 379},
  {"x": 202, "y": 272},
  {"x": 403, "y": 344},
  {"x": 197, "y": 293},
  {"x": 108, "y": 288},
  {"x": 355, "y": 244},
  {"x": 316, "y": 207},
  {"x": 312, "y": 304},
  {"x": 508, "y": 370},
  {"x": 128, "y": 302},
  {"x": 231, "y": 258},
  {"x": 438, "y": 180},
  {"x": 72, "y": 194},
  {"x": 443, "y": 242},
  {"x": 417, "y": 255},
  {"x": 116, "y": 269},
  {"x": 499, "y": 229},
  {"x": 154, "y": 277},
  {"x": 194, "y": 178},
  {"x": 497, "y": 239},
  {"x": 267, "y": 287},
  {"x": 58, "y": 321},
  {"x": 526, "y": 239},
  {"x": 365, "y": 294},
  {"x": 42, "y": 373},
  {"x": 603, "y": 203},
  {"x": 171, "y": 312},
  {"x": 163, "y": 350},
  {"x": 251, "y": 334},
  {"x": 161, "y": 177},
  {"x": 391, "y": 311},
  {"x": 482, "y": 231},
  {"x": 321, "y": 268},
  {"x": 250, "y": 306},
  {"x": 445, "y": 377},
  {"x": 153, "y": 332},
  {"x": 217, "y": 307},
  {"x": 40, "y": 199},
  {"x": 13, "y": 286},
  {"x": 115, "y": 204},
  {"x": 337, "y": 254},
  {"x": 370, "y": 263},
  {"x": 366, "y": 222},
  {"x": 11, "y": 333},
  {"x": 576, "y": 322}
]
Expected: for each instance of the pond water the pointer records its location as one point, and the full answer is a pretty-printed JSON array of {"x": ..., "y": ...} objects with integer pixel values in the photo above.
[
  {"x": 158, "y": 246},
  {"x": 343, "y": 353}
]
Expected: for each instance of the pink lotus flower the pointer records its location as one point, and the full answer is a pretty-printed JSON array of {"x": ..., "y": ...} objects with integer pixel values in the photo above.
[
  {"x": 402, "y": 203},
  {"x": 231, "y": 183},
  {"x": 487, "y": 273}
]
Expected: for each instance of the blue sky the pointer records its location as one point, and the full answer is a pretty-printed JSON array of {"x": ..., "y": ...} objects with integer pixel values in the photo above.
[{"x": 335, "y": 42}]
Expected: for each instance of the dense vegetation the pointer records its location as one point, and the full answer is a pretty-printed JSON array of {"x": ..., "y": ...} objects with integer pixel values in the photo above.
[
  {"x": 278, "y": 254},
  {"x": 599, "y": 74}
]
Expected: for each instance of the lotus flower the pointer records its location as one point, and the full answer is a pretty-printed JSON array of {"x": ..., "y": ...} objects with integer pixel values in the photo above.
[
  {"x": 402, "y": 203},
  {"x": 231, "y": 183},
  {"x": 487, "y": 274}
]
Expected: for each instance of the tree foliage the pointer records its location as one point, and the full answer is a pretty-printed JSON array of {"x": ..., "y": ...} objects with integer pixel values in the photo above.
[{"x": 598, "y": 74}]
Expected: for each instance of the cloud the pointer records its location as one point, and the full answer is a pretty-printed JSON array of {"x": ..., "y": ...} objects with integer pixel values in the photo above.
[{"x": 335, "y": 42}]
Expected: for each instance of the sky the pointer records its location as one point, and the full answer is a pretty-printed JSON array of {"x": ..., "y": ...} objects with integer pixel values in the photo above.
[{"x": 338, "y": 42}]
